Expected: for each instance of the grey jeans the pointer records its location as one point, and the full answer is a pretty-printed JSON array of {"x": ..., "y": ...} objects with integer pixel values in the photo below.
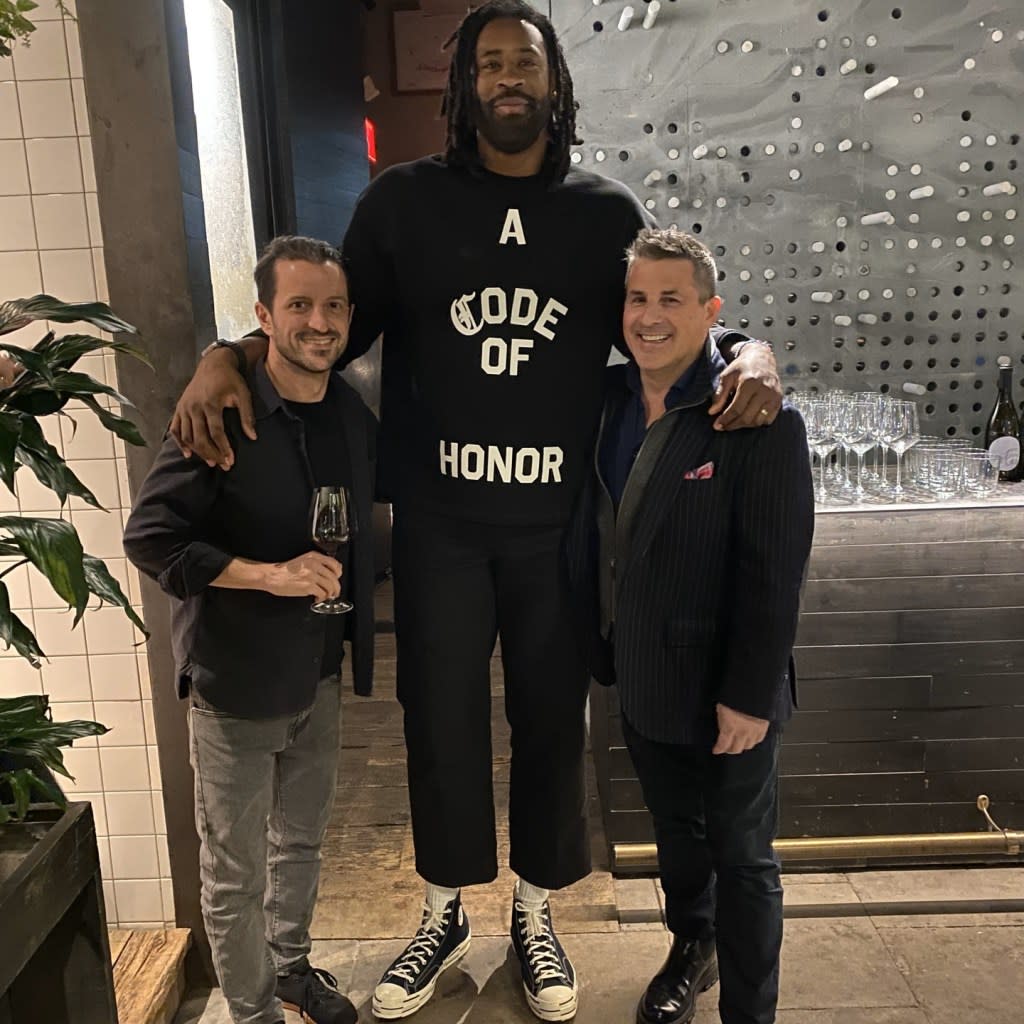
[{"x": 264, "y": 791}]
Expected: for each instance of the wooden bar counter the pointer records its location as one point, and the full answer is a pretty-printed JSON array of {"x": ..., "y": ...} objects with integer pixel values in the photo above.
[{"x": 910, "y": 658}]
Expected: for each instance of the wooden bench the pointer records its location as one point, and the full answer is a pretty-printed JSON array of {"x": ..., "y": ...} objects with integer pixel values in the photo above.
[{"x": 149, "y": 973}]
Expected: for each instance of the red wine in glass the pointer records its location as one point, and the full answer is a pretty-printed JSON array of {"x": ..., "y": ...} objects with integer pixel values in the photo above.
[{"x": 329, "y": 528}]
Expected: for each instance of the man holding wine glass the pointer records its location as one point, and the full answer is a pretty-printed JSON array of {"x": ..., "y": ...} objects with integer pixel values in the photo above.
[{"x": 262, "y": 563}]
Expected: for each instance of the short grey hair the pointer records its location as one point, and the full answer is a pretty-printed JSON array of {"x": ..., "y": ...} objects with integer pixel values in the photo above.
[{"x": 673, "y": 244}]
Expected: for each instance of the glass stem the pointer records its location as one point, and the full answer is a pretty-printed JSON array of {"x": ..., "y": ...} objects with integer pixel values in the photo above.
[
  {"x": 860, "y": 474},
  {"x": 821, "y": 459},
  {"x": 899, "y": 466}
]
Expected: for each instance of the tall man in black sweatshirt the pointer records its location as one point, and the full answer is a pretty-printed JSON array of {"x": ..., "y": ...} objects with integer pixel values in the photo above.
[{"x": 496, "y": 275}]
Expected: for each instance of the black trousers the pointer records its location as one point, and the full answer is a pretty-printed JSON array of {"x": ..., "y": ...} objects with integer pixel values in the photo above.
[
  {"x": 714, "y": 819},
  {"x": 457, "y": 587}
]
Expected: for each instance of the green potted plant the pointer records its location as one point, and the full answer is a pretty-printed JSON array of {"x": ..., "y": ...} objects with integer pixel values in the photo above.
[
  {"x": 50, "y": 891},
  {"x": 45, "y": 381}
]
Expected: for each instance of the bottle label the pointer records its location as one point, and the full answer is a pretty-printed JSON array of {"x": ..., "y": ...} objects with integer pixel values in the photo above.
[{"x": 1004, "y": 453}]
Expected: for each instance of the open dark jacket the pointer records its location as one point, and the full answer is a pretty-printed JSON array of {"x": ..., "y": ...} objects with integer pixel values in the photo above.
[
  {"x": 248, "y": 652},
  {"x": 690, "y": 595}
]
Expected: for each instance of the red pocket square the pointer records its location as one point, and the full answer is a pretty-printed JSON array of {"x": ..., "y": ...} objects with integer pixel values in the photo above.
[{"x": 705, "y": 472}]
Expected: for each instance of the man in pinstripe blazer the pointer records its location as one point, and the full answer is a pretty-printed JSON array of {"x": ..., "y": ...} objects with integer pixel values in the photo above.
[{"x": 688, "y": 554}]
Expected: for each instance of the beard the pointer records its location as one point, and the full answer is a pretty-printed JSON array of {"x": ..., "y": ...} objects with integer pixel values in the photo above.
[{"x": 516, "y": 132}]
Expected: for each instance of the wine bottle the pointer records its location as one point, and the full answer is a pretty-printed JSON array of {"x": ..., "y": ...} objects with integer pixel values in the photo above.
[{"x": 1002, "y": 435}]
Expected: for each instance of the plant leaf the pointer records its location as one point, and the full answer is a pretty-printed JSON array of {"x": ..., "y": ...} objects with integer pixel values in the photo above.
[
  {"x": 46, "y": 463},
  {"x": 53, "y": 547},
  {"x": 80, "y": 384},
  {"x": 46, "y": 307},
  {"x": 19, "y": 790},
  {"x": 6, "y": 619},
  {"x": 57, "y": 477},
  {"x": 66, "y": 350},
  {"x": 25, "y": 643},
  {"x": 30, "y": 359},
  {"x": 10, "y": 431},
  {"x": 120, "y": 425},
  {"x": 19, "y": 712},
  {"x": 108, "y": 590}
]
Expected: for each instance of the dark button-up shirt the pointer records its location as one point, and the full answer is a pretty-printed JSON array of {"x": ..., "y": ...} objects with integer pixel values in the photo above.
[
  {"x": 248, "y": 652},
  {"x": 625, "y": 434}
]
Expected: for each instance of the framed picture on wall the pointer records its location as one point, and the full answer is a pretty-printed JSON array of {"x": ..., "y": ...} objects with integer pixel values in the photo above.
[{"x": 420, "y": 63}]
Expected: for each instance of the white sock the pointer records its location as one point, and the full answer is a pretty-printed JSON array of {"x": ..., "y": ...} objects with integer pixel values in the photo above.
[
  {"x": 438, "y": 897},
  {"x": 530, "y": 896}
]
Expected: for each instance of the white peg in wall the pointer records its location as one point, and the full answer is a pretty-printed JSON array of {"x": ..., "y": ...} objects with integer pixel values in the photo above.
[
  {"x": 700, "y": 152},
  {"x": 673, "y": 202},
  {"x": 625, "y": 18},
  {"x": 914, "y": 389},
  {"x": 822, "y": 296},
  {"x": 1002, "y": 188},
  {"x": 867, "y": 318},
  {"x": 673, "y": 154},
  {"x": 747, "y": 46},
  {"x": 597, "y": 3},
  {"x": 924, "y": 192},
  {"x": 651, "y": 178},
  {"x": 845, "y": 146},
  {"x": 882, "y": 87},
  {"x": 847, "y": 66},
  {"x": 885, "y": 217},
  {"x": 842, "y": 320},
  {"x": 652, "y": 13}
]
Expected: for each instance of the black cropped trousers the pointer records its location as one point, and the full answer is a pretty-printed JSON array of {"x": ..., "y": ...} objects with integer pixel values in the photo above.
[{"x": 458, "y": 587}]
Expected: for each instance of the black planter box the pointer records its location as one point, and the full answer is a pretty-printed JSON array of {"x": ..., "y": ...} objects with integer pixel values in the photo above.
[{"x": 54, "y": 952}]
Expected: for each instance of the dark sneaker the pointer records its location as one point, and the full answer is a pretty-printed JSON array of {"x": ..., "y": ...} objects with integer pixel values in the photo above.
[
  {"x": 442, "y": 940},
  {"x": 314, "y": 995},
  {"x": 548, "y": 976}
]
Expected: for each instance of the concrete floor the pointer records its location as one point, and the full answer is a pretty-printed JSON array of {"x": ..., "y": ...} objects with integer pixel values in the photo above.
[
  {"x": 854, "y": 950},
  {"x": 861, "y": 967}
]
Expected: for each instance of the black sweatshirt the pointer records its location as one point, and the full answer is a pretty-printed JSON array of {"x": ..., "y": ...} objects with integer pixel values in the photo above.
[{"x": 499, "y": 299}]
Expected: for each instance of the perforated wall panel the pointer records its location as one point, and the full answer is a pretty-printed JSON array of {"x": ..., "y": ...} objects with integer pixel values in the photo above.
[{"x": 854, "y": 165}]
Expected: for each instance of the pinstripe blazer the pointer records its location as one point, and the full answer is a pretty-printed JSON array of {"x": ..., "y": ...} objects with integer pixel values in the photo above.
[{"x": 689, "y": 594}]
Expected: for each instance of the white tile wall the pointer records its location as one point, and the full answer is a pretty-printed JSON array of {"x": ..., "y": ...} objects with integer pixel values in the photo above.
[
  {"x": 13, "y": 168},
  {"x": 51, "y": 240}
]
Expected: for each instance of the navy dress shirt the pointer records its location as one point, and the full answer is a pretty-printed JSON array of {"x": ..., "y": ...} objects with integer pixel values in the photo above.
[{"x": 625, "y": 434}]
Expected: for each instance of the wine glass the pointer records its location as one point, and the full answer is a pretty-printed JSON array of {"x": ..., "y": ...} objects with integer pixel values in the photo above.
[
  {"x": 909, "y": 434},
  {"x": 857, "y": 433},
  {"x": 819, "y": 419},
  {"x": 898, "y": 429},
  {"x": 329, "y": 527}
]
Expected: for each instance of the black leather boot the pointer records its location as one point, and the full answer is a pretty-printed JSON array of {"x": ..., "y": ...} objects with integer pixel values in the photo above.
[{"x": 671, "y": 997}]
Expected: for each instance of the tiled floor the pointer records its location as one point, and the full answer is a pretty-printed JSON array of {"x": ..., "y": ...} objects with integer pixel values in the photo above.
[{"x": 847, "y": 957}]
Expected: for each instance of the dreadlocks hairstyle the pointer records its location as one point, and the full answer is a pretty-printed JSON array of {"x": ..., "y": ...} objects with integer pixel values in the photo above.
[{"x": 460, "y": 93}]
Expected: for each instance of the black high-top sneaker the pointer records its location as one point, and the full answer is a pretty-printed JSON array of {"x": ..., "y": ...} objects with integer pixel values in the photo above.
[
  {"x": 442, "y": 940},
  {"x": 671, "y": 997},
  {"x": 549, "y": 979},
  {"x": 313, "y": 993}
]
